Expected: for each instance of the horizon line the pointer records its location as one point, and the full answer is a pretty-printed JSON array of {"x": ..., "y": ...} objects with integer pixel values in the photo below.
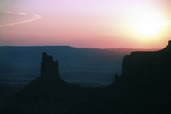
[{"x": 74, "y": 47}]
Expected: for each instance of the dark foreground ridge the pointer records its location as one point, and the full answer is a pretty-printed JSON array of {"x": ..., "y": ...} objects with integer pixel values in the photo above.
[{"x": 142, "y": 88}]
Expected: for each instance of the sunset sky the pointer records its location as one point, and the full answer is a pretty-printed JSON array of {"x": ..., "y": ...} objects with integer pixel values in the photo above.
[{"x": 86, "y": 23}]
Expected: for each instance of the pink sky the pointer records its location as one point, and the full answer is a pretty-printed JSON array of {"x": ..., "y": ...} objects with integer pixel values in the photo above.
[{"x": 77, "y": 23}]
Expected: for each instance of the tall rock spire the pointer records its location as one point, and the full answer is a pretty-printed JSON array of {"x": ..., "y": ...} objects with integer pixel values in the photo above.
[
  {"x": 49, "y": 67},
  {"x": 46, "y": 87}
]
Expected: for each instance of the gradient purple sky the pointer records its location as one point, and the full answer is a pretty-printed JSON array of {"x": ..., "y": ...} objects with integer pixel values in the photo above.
[{"x": 77, "y": 23}]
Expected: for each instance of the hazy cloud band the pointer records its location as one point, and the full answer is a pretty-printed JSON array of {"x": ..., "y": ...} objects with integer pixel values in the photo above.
[{"x": 34, "y": 18}]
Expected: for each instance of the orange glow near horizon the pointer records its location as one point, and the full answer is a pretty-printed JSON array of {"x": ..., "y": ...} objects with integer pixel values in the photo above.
[{"x": 89, "y": 23}]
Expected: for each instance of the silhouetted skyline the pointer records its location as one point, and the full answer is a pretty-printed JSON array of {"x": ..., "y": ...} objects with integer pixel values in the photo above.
[{"x": 143, "y": 87}]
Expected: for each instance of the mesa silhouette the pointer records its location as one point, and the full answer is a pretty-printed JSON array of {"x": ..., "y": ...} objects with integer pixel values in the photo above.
[
  {"x": 143, "y": 87},
  {"x": 145, "y": 80}
]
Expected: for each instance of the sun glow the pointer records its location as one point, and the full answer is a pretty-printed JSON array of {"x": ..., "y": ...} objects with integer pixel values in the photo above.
[{"x": 147, "y": 24}]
